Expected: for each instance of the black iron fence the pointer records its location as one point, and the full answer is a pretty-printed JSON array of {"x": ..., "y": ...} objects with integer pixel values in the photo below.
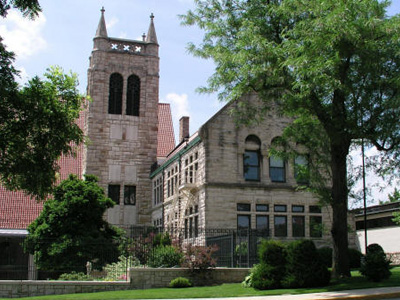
[{"x": 234, "y": 248}]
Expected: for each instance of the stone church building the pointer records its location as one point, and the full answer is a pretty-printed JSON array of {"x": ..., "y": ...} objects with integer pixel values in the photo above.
[{"x": 221, "y": 177}]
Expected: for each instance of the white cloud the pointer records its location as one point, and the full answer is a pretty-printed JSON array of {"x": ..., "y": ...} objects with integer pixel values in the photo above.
[
  {"x": 110, "y": 24},
  {"x": 21, "y": 35},
  {"x": 179, "y": 103}
]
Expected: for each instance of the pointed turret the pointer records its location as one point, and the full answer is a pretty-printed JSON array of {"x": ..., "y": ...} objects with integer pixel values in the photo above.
[
  {"x": 101, "y": 29},
  {"x": 151, "y": 34}
]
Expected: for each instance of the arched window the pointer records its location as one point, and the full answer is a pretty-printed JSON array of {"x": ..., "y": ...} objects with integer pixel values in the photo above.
[
  {"x": 115, "y": 94},
  {"x": 251, "y": 159},
  {"x": 133, "y": 96}
]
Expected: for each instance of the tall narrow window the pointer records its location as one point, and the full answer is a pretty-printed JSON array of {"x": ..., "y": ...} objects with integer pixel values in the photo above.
[
  {"x": 280, "y": 223},
  {"x": 301, "y": 171},
  {"x": 129, "y": 195},
  {"x": 113, "y": 192},
  {"x": 251, "y": 159},
  {"x": 298, "y": 226},
  {"x": 115, "y": 94},
  {"x": 315, "y": 226},
  {"x": 277, "y": 169},
  {"x": 133, "y": 96}
]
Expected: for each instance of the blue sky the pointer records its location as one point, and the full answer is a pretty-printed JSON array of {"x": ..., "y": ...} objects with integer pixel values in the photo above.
[{"x": 63, "y": 35}]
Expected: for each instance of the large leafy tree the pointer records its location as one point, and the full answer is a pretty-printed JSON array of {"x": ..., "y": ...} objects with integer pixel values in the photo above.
[
  {"x": 71, "y": 230},
  {"x": 37, "y": 122},
  {"x": 332, "y": 65}
]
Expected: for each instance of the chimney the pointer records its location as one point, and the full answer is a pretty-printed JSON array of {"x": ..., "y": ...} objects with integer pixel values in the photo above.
[{"x": 183, "y": 128}]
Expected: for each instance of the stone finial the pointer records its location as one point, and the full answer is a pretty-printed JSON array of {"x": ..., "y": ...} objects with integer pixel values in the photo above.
[
  {"x": 101, "y": 28},
  {"x": 151, "y": 34},
  {"x": 144, "y": 37}
]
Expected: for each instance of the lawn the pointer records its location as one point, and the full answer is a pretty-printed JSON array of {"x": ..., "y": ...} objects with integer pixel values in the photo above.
[{"x": 228, "y": 290}]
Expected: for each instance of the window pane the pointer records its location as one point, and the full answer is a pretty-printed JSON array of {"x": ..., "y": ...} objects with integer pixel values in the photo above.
[
  {"x": 280, "y": 208},
  {"x": 298, "y": 208},
  {"x": 315, "y": 226},
  {"x": 113, "y": 192},
  {"x": 133, "y": 96},
  {"x": 298, "y": 226},
  {"x": 243, "y": 207},
  {"x": 280, "y": 223},
  {"x": 276, "y": 162},
  {"x": 262, "y": 207},
  {"x": 251, "y": 165},
  {"x": 315, "y": 209},
  {"x": 243, "y": 222},
  {"x": 277, "y": 174},
  {"x": 301, "y": 169},
  {"x": 262, "y": 223},
  {"x": 130, "y": 195}
]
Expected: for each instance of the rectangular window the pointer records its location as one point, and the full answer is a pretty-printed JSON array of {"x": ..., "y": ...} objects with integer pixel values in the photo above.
[
  {"x": 186, "y": 228},
  {"x": 277, "y": 169},
  {"x": 298, "y": 226},
  {"x": 243, "y": 222},
  {"x": 301, "y": 169},
  {"x": 196, "y": 226},
  {"x": 280, "y": 224},
  {"x": 251, "y": 165},
  {"x": 280, "y": 208},
  {"x": 315, "y": 209},
  {"x": 130, "y": 195},
  {"x": 298, "y": 208},
  {"x": 113, "y": 192},
  {"x": 262, "y": 224},
  {"x": 190, "y": 227},
  {"x": 315, "y": 226},
  {"x": 262, "y": 207},
  {"x": 243, "y": 207}
]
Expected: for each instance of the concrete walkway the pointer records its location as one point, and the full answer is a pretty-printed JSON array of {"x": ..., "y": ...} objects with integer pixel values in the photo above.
[{"x": 375, "y": 293}]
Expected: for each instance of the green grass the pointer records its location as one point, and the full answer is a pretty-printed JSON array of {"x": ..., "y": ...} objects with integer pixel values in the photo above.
[{"x": 229, "y": 290}]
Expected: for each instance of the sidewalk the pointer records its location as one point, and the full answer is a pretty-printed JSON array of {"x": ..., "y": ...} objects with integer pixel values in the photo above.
[{"x": 375, "y": 293}]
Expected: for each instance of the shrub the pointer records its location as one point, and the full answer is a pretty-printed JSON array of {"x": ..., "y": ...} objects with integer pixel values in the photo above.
[
  {"x": 200, "y": 258},
  {"x": 354, "y": 258},
  {"x": 271, "y": 270},
  {"x": 325, "y": 253},
  {"x": 180, "y": 282},
  {"x": 376, "y": 266},
  {"x": 74, "y": 276},
  {"x": 165, "y": 256},
  {"x": 162, "y": 239},
  {"x": 304, "y": 266}
]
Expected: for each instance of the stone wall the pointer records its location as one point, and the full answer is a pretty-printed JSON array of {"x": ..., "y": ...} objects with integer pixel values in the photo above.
[
  {"x": 140, "y": 278},
  {"x": 25, "y": 288},
  {"x": 159, "y": 278}
]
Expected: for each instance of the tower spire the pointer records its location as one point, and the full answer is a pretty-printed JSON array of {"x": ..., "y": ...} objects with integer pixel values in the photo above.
[
  {"x": 151, "y": 34},
  {"x": 101, "y": 29}
]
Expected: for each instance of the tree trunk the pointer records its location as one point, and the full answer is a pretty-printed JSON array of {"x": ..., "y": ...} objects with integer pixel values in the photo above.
[{"x": 339, "y": 231}]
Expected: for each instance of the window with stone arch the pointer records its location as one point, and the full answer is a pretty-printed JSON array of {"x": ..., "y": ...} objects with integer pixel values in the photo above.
[
  {"x": 133, "y": 96},
  {"x": 115, "y": 94},
  {"x": 252, "y": 158}
]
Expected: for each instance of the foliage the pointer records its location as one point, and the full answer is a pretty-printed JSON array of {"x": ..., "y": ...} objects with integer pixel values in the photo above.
[
  {"x": 165, "y": 257},
  {"x": 331, "y": 66},
  {"x": 355, "y": 258},
  {"x": 200, "y": 258},
  {"x": 162, "y": 239},
  {"x": 29, "y": 8},
  {"x": 74, "y": 276},
  {"x": 70, "y": 231},
  {"x": 180, "y": 282},
  {"x": 376, "y": 266},
  {"x": 304, "y": 266},
  {"x": 118, "y": 270},
  {"x": 325, "y": 253},
  {"x": 393, "y": 197},
  {"x": 271, "y": 270}
]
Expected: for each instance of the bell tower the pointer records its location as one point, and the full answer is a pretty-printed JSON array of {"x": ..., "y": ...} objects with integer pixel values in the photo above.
[{"x": 123, "y": 83}]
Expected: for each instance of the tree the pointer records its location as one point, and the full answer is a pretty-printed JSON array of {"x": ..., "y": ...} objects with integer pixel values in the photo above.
[
  {"x": 37, "y": 122},
  {"x": 71, "y": 231},
  {"x": 333, "y": 66}
]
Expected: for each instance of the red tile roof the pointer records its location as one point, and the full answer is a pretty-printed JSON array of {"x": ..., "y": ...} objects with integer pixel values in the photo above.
[
  {"x": 17, "y": 210},
  {"x": 166, "y": 137}
]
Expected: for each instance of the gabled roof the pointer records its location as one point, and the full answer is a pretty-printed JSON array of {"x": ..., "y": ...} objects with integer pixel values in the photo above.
[
  {"x": 18, "y": 210},
  {"x": 165, "y": 137}
]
